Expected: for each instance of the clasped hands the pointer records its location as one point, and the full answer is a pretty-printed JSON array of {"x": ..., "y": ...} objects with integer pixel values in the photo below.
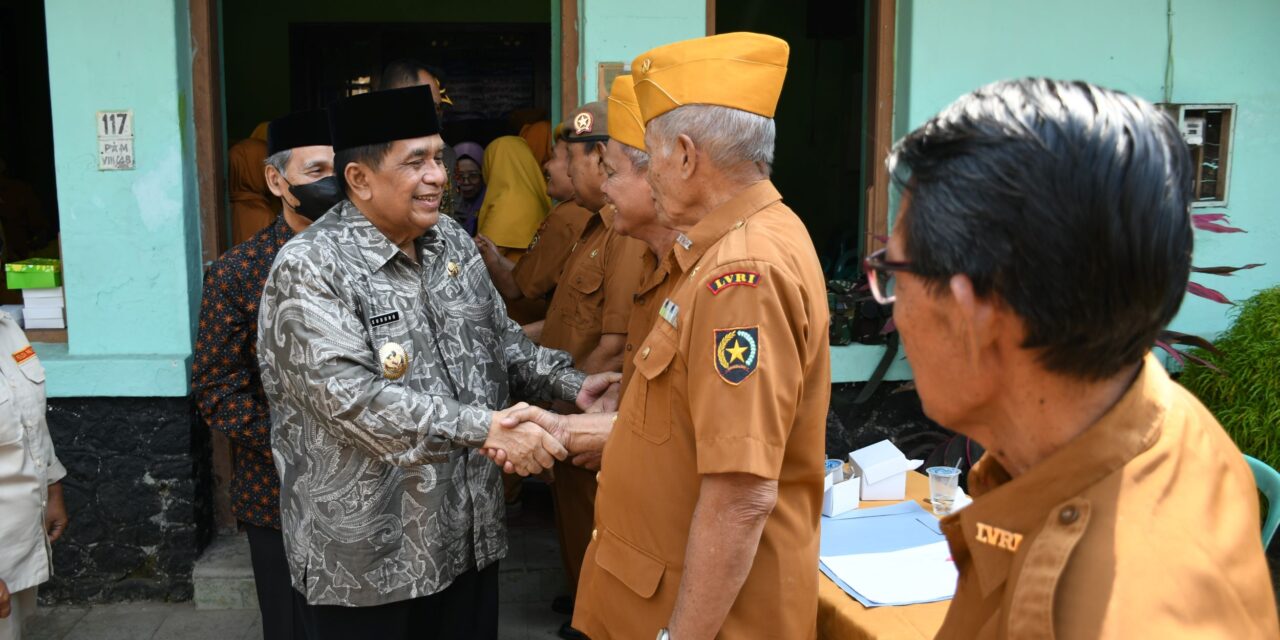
[{"x": 527, "y": 440}]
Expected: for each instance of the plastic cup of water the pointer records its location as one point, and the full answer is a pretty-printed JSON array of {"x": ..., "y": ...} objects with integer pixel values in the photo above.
[{"x": 943, "y": 482}]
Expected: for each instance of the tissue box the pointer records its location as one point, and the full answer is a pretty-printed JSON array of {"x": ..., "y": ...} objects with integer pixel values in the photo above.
[
  {"x": 34, "y": 273},
  {"x": 840, "y": 497},
  {"x": 883, "y": 469}
]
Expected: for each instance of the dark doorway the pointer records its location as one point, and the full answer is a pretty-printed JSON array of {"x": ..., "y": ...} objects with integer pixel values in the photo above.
[
  {"x": 28, "y": 190},
  {"x": 490, "y": 71},
  {"x": 819, "y": 154}
]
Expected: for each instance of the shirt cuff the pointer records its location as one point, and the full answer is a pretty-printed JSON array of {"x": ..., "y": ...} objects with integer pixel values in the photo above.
[
  {"x": 56, "y": 471},
  {"x": 740, "y": 455},
  {"x": 567, "y": 385},
  {"x": 473, "y": 426}
]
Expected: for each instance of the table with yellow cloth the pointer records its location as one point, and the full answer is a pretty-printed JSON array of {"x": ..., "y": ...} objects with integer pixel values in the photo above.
[{"x": 841, "y": 617}]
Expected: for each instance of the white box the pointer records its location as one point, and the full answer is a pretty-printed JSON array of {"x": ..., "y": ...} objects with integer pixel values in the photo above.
[
  {"x": 51, "y": 292},
  {"x": 32, "y": 323},
  {"x": 43, "y": 313},
  {"x": 883, "y": 469},
  {"x": 840, "y": 497}
]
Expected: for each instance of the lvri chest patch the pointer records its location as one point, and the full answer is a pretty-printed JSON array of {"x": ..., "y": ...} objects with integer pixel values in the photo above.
[
  {"x": 733, "y": 279},
  {"x": 737, "y": 353},
  {"x": 386, "y": 318},
  {"x": 669, "y": 312}
]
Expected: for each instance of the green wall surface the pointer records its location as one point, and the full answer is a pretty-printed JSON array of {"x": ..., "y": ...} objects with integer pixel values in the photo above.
[
  {"x": 618, "y": 31},
  {"x": 130, "y": 239},
  {"x": 1222, "y": 53},
  {"x": 256, "y": 42}
]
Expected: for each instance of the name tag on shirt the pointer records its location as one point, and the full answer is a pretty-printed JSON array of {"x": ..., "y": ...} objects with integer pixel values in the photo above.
[
  {"x": 386, "y": 318},
  {"x": 669, "y": 312},
  {"x": 23, "y": 355}
]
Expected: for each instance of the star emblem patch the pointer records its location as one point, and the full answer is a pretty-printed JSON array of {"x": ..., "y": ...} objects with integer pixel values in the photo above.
[{"x": 737, "y": 353}]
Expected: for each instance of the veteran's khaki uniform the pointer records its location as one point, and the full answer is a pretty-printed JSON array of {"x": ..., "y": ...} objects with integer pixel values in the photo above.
[
  {"x": 1145, "y": 526},
  {"x": 539, "y": 270},
  {"x": 593, "y": 298},
  {"x": 735, "y": 377},
  {"x": 644, "y": 309}
]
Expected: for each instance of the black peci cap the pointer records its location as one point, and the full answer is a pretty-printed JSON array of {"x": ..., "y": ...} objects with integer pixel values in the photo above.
[
  {"x": 301, "y": 129},
  {"x": 382, "y": 116}
]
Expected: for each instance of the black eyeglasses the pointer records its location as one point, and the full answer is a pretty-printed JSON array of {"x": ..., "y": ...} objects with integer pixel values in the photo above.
[{"x": 880, "y": 275}]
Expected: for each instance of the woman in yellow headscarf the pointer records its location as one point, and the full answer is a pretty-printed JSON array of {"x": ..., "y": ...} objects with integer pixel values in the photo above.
[{"x": 515, "y": 201}]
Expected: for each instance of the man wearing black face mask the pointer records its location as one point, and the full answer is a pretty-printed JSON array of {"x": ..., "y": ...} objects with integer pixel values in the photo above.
[{"x": 225, "y": 377}]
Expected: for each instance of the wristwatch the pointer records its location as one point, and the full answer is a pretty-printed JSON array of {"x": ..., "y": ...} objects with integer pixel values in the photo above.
[{"x": 663, "y": 634}]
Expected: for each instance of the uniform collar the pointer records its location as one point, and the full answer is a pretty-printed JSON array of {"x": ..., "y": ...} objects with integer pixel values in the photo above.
[
  {"x": 690, "y": 247},
  {"x": 606, "y": 214},
  {"x": 656, "y": 272},
  {"x": 1022, "y": 505}
]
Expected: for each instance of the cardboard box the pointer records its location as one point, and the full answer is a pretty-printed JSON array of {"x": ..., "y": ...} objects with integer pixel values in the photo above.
[
  {"x": 33, "y": 273},
  {"x": 840, "y": 497},
  {"x": 883, "y": 469}
]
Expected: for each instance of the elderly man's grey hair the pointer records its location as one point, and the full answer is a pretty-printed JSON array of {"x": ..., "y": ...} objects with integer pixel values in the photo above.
[
  {"x": 639, "y": 158},
  {"x": 279, "y": 159},
  {"x": 729, "y": 136}
]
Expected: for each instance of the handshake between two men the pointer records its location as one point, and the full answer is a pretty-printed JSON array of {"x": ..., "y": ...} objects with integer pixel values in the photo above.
[{"x": 527, "y": 440}]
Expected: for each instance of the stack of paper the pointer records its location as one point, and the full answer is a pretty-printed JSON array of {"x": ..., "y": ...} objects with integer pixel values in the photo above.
[
  {"x": 893, "y": 555},
  {"x": 43, "y": 309}
]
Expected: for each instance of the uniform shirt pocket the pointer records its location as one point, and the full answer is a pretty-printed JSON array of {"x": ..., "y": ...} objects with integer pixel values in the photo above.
[
  {"x": 639, "y": 570},
  {"x": 652, "y": 361},
  {"x": 10, "y": 418},
  {"x": 587, "y": 305}
]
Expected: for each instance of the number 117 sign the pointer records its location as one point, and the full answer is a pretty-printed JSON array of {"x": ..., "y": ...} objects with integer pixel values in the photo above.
[{"x": 115, "y": 140}]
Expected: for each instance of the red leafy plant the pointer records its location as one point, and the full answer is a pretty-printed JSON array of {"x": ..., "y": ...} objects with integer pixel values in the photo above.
[{"x": 1213, "y": 223}]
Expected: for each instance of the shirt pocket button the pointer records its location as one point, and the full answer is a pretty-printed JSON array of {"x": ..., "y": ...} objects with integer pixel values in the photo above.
[{"x": 1068, "y": 515}]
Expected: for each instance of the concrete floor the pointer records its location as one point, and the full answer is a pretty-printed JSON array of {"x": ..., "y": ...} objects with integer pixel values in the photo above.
[
  {"x": 182, "y": 621},
  {"x": 529, "y": 578}
]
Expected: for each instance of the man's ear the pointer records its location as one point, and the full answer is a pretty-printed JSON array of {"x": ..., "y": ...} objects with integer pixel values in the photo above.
[
  {"x": 687, "y": 155},
  {"x": 275, "y": 181},
  {"x": 358, "y": 180},
  {"x": 979, "y": 319},
  {"x": 598, "y": 148}
]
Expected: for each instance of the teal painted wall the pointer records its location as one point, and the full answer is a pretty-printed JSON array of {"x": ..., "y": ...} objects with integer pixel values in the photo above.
[
  {"x": 130, "y": 239},
  {"x": 256, "y": 42},
  {"x": 618, "y": 31},
  {"x": 1223, "y": 53}
]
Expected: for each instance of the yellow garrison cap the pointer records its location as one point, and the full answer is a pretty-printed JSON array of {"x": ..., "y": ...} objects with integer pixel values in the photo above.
[
  {"x": 739, "y": 70},
  {"x": 625, "y": 123}
]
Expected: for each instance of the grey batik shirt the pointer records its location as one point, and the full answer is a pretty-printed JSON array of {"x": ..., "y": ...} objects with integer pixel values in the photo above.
[{"x": 383, "y": 495}]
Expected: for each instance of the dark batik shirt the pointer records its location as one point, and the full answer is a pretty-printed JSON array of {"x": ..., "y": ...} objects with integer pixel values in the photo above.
[
  {"x": 383, "y": 374},
  {"x": 225, "y": 378}
]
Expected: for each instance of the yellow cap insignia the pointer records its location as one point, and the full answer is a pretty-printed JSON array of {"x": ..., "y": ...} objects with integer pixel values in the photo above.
[
  {"x": 453, "y": 269},
  {"x": 582, "y": 123},
  {"x": 394, "y": 360},
  {"x": 644, "y": 66}
]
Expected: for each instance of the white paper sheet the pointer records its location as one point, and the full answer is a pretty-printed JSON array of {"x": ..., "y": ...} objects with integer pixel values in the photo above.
[{"x": 916, "y": 574}]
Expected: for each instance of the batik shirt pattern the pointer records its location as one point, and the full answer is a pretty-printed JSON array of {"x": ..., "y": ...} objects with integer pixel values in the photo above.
[
  {"x": 224, "y": 377},
  {"x": 383, "y": 495}
]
